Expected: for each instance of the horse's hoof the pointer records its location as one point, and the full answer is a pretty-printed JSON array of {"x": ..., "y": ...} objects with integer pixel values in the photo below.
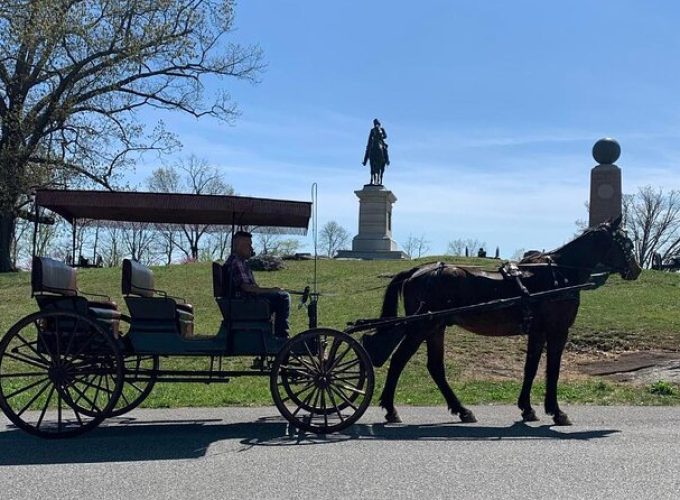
[
  {"x": 529, "y": 416},
  {"x": 392, "y": 418},
  {"x": 467, "y": 417},
  {"x": 561, "y": 419}
]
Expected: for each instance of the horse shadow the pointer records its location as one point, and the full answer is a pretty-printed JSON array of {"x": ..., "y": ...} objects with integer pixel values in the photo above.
[{"x": 129, "y": 440}]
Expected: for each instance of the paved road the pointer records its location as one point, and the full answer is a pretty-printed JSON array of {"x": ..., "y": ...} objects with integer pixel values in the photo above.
[{"x": 247, "y": 453}]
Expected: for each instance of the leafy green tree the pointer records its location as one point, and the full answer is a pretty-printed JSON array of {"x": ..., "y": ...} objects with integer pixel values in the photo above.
[{"x": 75, "y": 73}]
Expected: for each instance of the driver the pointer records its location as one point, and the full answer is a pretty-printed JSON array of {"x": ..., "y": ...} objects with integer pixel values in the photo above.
[{"x": 243, "y": 282}]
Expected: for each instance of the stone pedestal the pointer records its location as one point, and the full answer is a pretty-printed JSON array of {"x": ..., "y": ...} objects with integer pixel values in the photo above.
[
  {"x": 605, "y": 183},
  {"x": 374, "y": 240}
]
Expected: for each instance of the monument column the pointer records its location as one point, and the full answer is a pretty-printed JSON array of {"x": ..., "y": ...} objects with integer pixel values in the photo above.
[
  {"x": 374, "y": 240},
  {"x": 605, "y": 183}
]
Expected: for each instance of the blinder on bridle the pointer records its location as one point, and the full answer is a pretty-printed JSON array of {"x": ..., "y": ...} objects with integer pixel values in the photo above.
[{"x": 623, "y": 243}]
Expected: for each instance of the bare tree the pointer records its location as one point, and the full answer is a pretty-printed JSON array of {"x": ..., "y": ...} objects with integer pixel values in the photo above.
[
  {"x": 220, "y": 244},
  {"x": 111, "y": 247},
  {"x": 416, "y": 247},
  {"x": 138, "y": 239},
  {"x": 458, "y": 246},
  {"x": 652, "y": 219},
  {"x": 267, "y": 242},
  {"x": 410, "y": 245},
  {"x": 191, "y": 175},
  {"x": 422, "y": 245},
  {"x": 166, "y": 180},
  {"x": 74, "y": 74},
  {"x": 333, "y": 237}
]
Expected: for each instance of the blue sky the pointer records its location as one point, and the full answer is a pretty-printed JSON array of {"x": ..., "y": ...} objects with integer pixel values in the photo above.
[{"x": 491, "y": 110}]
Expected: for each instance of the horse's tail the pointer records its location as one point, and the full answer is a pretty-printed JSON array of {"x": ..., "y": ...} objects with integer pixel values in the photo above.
[{"x": 385, "y": 340}]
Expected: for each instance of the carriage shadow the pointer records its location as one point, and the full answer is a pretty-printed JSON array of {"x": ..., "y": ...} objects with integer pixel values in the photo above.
[{"x": 129, "y": 440}]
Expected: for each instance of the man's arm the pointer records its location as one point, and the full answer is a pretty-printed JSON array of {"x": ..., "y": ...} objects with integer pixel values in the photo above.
[{"x": 255, "y": 289}]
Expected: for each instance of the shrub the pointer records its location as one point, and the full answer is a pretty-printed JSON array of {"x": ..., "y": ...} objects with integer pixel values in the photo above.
[
  {"x": 266, "y": 263},
  {"x": 662, "y": 388}
]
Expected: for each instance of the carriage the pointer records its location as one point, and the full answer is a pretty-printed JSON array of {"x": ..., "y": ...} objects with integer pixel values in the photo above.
[{"x": 81, "y": 359}]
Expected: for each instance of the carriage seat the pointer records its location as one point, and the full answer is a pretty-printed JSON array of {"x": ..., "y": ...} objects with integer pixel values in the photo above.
[
  {"x": 138, "y": 282},
  {"x": 54, "y": 285},
  {"x": 237, "y": 308}
]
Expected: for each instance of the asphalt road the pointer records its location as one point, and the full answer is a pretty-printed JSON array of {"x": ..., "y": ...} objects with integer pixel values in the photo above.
[{"x": 246, "y": 453}]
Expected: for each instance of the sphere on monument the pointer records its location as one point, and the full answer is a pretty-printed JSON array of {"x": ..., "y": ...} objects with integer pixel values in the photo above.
[{"x": 606, "y": 151}]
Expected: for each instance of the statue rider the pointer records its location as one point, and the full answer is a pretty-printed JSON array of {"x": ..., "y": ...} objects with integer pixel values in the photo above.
[{"x": 376, "y": 152}]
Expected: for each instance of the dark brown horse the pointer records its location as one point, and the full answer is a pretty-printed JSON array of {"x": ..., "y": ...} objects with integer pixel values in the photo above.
[{"x": 546, "y": 322}]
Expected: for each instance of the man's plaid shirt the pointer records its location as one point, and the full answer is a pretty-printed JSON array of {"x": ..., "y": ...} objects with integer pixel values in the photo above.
[{"x": 240, "y": 272}]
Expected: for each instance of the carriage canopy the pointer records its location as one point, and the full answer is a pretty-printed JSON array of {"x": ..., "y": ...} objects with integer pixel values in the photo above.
[{"x": 256, "y": 214}]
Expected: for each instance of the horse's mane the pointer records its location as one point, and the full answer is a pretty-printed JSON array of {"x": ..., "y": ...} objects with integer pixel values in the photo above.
[{"x": 536, "y": 257}]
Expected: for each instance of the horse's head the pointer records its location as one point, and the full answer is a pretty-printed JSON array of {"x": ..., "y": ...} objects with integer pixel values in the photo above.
[{"x": 620, "y": 256}]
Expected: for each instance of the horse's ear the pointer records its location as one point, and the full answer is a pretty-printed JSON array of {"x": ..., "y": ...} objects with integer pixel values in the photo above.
[{"x": 614, "y": 224}]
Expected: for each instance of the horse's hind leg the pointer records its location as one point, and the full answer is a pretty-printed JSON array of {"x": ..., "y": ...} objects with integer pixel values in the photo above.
[
  {"x": 435, "y": 365},
  {"x": 535, "y": 344},
  {"x": 404, "y": 352},
  {"x": 556, "y": 342}
]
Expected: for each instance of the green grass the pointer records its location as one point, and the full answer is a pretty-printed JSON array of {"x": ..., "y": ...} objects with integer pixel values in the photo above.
[{"x": 618, "y": 316}]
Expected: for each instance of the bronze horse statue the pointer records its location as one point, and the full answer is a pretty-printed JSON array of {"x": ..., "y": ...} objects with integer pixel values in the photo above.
[
  {"x": 376, "y": 152},
  {"x": 546, "y": 322}
]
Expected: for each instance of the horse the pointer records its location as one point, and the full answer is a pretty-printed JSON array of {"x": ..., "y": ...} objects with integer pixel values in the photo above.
[{"x": 545, "y": 321}]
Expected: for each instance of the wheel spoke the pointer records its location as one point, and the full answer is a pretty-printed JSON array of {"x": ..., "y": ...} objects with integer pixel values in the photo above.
[
  {"x": 299, "y": 373},
  {"x": 312, "y": 367},
  {"x": 28, "y": 387},
  {"x": 34, "y": 398},
  {"x": 304, "y": 403},
  {"x": 339, "y": 358},
  {"x": 58, "y": 410},
  {"x": 305, "y": 388},
  {"x": 23, "y": 374},
  {"x": 93, "y": 404},
  {"x": 343, "y": 397},
  {"x": 346, "y": 366},
  {"x": 44, "y": 410},
  {"x": 335, "y": 405},
  {"x": 30, "y": 346},
  {"x": 97, "y": 386},
  {"x": 28, "y": 361}
]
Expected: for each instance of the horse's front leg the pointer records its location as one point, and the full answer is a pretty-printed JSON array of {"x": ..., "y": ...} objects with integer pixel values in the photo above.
[
  {"x": 435, "y": 365},
  {"x": 556, "y": 342},
  {"x": 401, "y": 356},
  {"x": 535, "y": 342}
]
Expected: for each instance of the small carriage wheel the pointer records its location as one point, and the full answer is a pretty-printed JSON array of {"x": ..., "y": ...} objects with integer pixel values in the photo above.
[
  {"x": 140, "y": 372},
  {"x": 52, "y": 365},
  {"x": 322, "y": 381}
]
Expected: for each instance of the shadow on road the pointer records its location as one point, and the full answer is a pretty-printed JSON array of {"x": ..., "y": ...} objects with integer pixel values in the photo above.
[{"x": 129, "y": 440}]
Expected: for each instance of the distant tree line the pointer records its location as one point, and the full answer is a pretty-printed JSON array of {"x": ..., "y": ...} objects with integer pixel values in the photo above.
[{"x": 106, "y": 244}]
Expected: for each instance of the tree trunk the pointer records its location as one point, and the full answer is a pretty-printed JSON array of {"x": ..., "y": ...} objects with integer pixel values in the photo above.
[{"x": 7, "y": 221}]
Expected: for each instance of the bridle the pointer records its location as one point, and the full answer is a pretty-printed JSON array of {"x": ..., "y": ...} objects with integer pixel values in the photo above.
[{"x": 621, "y": 240}]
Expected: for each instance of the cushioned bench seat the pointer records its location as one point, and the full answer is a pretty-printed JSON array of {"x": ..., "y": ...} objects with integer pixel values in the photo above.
[
  {"x": 55, "y": 286},
  {"x": 147, "y": 304}
]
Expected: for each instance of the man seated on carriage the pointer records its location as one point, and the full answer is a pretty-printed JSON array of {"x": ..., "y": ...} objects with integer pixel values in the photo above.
[{"x": 243, "y": 282}]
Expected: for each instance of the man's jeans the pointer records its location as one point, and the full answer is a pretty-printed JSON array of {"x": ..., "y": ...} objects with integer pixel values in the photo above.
[{"x": 280, "y": 304}]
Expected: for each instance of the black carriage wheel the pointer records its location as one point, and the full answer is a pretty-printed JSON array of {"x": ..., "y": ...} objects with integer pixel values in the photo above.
[
  {"x": 322, "y": 381},
  {"x": 54, "y": 364},
  {"x": 140, "y": 372}
]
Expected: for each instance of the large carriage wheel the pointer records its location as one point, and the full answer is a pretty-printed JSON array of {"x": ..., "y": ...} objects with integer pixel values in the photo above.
[
  {"x": 53, "y": 365},
  {"x": 322, "y": 381}
]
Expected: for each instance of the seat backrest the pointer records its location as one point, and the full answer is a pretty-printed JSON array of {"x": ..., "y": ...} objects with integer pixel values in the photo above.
[
  {"x": 218, "y": 281},
  {"x": 53, "y": 276},
  {"x": 137, "y": 279}
]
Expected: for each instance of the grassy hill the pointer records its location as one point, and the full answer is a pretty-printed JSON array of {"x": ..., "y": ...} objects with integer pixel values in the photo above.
[{"x": 644, "y": 314}]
